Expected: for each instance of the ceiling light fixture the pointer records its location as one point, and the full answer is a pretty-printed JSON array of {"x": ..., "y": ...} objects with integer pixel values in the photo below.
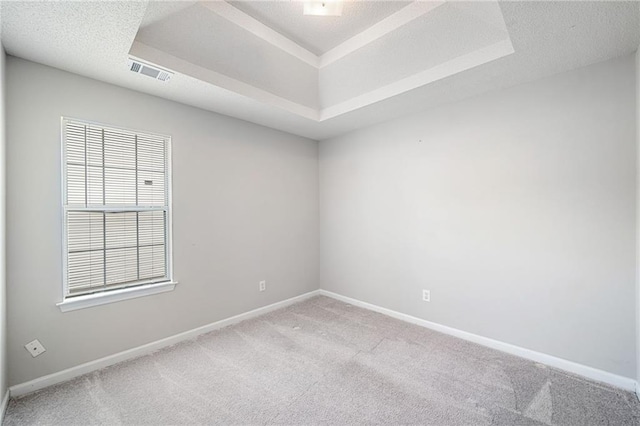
[{"x": 323, "y": 8}]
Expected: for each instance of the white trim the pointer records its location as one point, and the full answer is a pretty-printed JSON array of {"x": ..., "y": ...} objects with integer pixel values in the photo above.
[
  {"x": 225, "y": 82},
  {"x": 552, "y": 361},
  {"x": 257, "y": 28},
  {"x": 5, "y": 404},
  {"x": 438, "y": 72},
  {"x": 319, "y": 114},
  {"x": 144, "y": 287},
  {"x": 111, "y": 296},
  {"x": 389, "y": 24},
  {"x": 79, "y": 370},
  {"x": 456, "y": 65},
  {"x": 559, "y": 363},
  {"x": 380, "y": 29},
  {"x": 63, "y": 216}
]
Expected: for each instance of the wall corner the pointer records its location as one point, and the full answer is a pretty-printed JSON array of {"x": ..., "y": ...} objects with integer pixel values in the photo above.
[{"x": 637, "y": 116}]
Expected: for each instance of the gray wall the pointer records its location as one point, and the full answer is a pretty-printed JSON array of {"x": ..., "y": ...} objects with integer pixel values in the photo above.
[
  {"x": 3, "y": 303},
  {"x": 245, "y": 202},
  {"x": 515, "y": 208},
  {"x": 638, "y": 220}
]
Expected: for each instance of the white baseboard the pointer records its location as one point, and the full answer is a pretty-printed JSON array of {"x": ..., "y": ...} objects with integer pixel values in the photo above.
[
  {"x": 73, "y": 372},
  {"x": 552, "y": 361},
  {"x": 559, "y": 363},
  {"x": 3, "y": 407}
]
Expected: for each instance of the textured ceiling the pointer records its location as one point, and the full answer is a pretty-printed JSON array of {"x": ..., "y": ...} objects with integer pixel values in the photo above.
[
  {"x": 318, "y": 34},
  {"x": 94, "y": 39}
]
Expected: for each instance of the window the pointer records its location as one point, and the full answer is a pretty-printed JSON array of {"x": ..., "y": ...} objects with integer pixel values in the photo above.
[{"x": 117, "y": 211}]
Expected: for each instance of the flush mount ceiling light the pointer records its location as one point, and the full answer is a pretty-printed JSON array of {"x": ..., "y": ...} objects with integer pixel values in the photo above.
[{"x": 323, "y": 8}]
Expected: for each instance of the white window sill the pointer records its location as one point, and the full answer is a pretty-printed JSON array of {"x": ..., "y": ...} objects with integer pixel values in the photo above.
[{"x": 89, "y": 300}]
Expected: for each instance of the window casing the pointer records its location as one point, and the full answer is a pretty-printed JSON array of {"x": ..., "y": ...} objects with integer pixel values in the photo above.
[{"x": 117, "y": 208}]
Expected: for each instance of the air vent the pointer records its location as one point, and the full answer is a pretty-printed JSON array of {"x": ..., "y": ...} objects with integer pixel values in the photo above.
[{"x": 149, "y": 70}]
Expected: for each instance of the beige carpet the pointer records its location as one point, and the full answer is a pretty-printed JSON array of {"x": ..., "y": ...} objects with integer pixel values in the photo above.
[{"x": 325, "y": 362}]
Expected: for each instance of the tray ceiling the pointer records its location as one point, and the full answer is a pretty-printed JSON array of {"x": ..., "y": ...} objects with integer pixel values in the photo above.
[
  {"x": 318, "y": 34},
  {"x": 265, "y": 63},
  {"x": 387, "y": 50}
]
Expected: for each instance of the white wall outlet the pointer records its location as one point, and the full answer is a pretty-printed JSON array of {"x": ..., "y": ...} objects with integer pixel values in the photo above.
[
  {"x": 426, "y": 295},
  {"x": 35, "y": 348},
  {"x": 262, "y": 286}
]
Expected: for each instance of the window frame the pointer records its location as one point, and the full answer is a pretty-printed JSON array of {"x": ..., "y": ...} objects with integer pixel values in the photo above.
[{"x": 115, "y": 293}]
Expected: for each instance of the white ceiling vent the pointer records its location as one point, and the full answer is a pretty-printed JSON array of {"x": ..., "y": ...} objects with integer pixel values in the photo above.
[{"x": 149, "y": 70}]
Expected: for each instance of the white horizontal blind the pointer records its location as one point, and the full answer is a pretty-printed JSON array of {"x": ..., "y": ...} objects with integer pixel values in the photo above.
[{"x": 116, "y": 207}]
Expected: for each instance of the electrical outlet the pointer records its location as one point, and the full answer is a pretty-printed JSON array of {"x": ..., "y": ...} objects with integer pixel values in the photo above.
[
  {"x": 35, "y": 348},
  {"x": 426, "y": 295},
  {"x": 262, "y": 286}
]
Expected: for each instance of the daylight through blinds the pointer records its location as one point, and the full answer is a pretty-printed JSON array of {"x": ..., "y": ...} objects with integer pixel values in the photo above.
[{"x": 116, "y": 207}]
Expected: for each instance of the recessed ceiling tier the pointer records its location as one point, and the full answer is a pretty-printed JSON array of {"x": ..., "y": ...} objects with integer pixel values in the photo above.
[
  {"x": 319, "y": 34},
  {"x": 369, "y": 65},
  {"x": 404, "y": 46}
]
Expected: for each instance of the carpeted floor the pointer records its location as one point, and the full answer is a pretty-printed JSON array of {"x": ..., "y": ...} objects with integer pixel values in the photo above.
[{"x": 325, "y": 362}]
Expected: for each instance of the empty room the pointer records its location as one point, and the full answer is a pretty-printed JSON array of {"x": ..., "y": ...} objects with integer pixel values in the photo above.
[{"x": 320, "y": 212}]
